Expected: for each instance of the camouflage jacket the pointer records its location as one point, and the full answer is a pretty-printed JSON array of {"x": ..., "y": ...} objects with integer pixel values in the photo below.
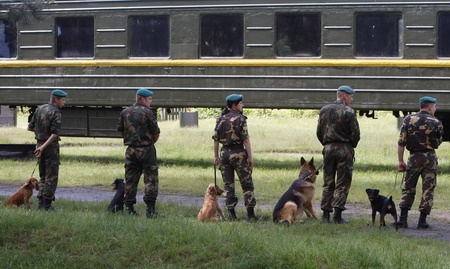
[
  {"x": 420, "y": 132},
  {"x": 231, "y": 129},
  {"x": 45, "y": 122},
  {"x": 338, "y": 124},
  {"x": 137, "y": 124}
]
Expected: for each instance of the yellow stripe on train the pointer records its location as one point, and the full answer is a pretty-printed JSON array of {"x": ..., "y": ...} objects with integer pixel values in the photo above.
[{"x": 232, "y": 62}]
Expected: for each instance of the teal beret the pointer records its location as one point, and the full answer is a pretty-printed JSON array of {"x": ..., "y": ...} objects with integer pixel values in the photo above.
[
  {"x": 234, "y": 98},
  {"x": 144, "y": 92},
  {"x": 59, "y": 93},
  {"x": 346, "y": 89},
  {"x": 427, "y": 99}
]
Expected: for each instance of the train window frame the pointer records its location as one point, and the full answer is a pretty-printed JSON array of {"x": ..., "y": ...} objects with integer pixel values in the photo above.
[
  {"x": 319, "y": 30},
  {"x": 130, "y": 32},
  {"x": 4, "y": 22},
  {"x": 400, "y": 34},
  {"x": 92, "y": 56},
  {"x": 438, "y": 35},
  {"x": 200, "y": 43}
]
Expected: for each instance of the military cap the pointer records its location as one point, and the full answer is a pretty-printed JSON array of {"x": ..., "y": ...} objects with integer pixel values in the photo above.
[
  {"x": 144, "y": 92},
  {"x": 427, "y": 99},
  {"x": 234, "y": 98},
  {"x": 59, "y": 93},
  {"x": 346, "y": 89}
]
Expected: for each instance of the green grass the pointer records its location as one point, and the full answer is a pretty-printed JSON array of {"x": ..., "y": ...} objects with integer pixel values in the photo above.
[{"x": 83, "y": 235}]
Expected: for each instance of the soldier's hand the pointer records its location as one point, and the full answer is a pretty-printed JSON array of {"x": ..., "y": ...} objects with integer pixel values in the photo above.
[
  {"x": 250, "y": 163},
  {"x": 216, "y": 160},
  {"x": 38, "y": 152},
  {"x": 401, "y": 166}
]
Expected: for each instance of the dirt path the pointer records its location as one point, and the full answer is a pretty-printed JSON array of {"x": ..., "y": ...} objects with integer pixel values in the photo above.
[{"x": 439, "y": 219}]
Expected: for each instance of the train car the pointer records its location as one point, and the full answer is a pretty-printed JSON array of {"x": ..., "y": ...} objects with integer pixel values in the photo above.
[{"x": 279, "y": 54}]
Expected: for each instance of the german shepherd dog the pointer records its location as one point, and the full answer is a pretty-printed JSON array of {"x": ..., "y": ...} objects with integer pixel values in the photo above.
[
  {"x": 116, "y": 204},
  {"x": 299, "y": 196}
]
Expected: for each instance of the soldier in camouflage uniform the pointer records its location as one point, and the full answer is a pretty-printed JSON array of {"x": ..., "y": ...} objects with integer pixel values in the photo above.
[
  {"x": 140, "y": 131},
  {"x": 421, "y": 134},
  {"x": 235, "y": 155},
  {"x": 338, "y": 132},
  {"x": 46, "y": 123}
]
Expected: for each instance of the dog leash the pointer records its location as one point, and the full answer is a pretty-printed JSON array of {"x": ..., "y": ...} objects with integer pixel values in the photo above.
[
  {"x": 32, "y": 173},
  {"x": 395, "y": 182},
  {"x": 315, "y": 172},
  {"x": 215, "y": 176}
]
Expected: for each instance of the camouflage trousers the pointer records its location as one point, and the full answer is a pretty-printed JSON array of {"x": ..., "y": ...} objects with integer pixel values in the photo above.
[
  {"x": 232, "y": 160},
  {"x": 138, "y": 161},
  {"x": 338, "y": 170},
  {"x": 422, "y": 164},
  {"x": 48, "y": 170}
]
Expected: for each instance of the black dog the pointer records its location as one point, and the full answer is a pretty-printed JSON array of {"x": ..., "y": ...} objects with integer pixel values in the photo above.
[
  {"x": 116, "y": 204},
  {"x": 383, "y": 205}
]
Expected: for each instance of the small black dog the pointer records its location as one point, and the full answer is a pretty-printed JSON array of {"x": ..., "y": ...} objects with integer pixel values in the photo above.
[
  {"x": 383, "y": 205},
  {"x": 116, "y": 204}
]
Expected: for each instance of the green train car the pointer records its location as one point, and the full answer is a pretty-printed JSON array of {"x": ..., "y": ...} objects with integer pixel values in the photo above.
[{"x": 279, "y": 54}]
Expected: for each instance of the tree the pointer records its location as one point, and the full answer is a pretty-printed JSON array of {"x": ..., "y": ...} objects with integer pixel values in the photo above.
[{"x": 26, "y": 10}]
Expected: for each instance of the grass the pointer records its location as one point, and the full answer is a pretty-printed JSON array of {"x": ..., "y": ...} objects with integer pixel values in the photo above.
[{"x": 83, "y": 235}]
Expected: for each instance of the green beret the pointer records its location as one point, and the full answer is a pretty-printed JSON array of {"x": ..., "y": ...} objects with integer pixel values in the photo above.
[
  {"x": 346, "y": 89},
  {"x": 144, "y": 92},
  {"x": 59, "y": 93},
  {"x": 427, "y": 99},
  {"x": 234, "y": 98}
]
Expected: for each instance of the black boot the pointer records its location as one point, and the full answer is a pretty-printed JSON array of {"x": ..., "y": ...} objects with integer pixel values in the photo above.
[
  {"x": 326, "y": 216},
  {"x": 251, "y": 215},
  {"x": 47, "y": 205},
  {"x": 337, "y": 217},
  {"x": 151, "y": 210},
  {"x": 41, "y": 202},
  {"x": 403, "y": 220},
  {"x": 232, "y": 214},
  {"x": 423, "y": 221},
  {"x": 131, "y": 211}
]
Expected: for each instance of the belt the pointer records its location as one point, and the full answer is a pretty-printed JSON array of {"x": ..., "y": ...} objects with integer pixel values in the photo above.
[
  {"x": 234, "y": 146},
  {"x": 421, "y": 150}
]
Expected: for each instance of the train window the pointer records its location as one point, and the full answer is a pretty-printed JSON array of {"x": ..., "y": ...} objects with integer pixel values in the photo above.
[
  {"x": 378, "y": 34},
  {"x": 222, "y": 36},
  {"x": 148, "y": 36},
  {"x": 74, "y": 37},
  {"x": 444, "y": 34},
  {"x": 8, "y": 40},
  {"x": 298, "y": 35}
]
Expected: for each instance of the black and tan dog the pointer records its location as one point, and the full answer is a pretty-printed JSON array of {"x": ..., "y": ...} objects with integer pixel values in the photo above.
[
  {"x": 383, "y": 205},
  {"x": 299, "y": 196},
  {"x": 116, "y": 204}
]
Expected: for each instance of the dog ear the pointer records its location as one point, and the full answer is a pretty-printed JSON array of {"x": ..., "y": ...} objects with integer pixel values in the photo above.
[
  {"x": 302, "y": 161},
  {"x": 311, "y": 162},
  {"x": 368, "y": 191},
  {"x": 376, "y": 191}
]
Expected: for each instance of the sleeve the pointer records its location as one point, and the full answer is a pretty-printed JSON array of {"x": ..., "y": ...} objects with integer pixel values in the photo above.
[
  {"x": 355, "y": 133},
  {"x": 439, "y": 133},
  {"x": 403, "y": 133},
  {"x": 31, "y": 124},
  {"x": 154, "y": 128},
  {"x": 319, "y": 131},
  {"x": 244, "y": 130},
  {"x": 215, "y": 137},
  {"x": 120, "y": 126},
  {"x": 55, "y": 125}
]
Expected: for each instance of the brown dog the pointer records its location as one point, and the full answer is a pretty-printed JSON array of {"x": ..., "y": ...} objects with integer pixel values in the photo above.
[
  {"x": 23, "y": 194},
  {"x": 210, "y": 204},
  {"x": 299, "y": 196}
]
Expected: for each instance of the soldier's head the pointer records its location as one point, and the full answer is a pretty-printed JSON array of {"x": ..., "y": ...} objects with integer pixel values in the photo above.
[
  {"x": 428, "y": 104},
  {"x": 144, "y": 97},
  {"x": 234, "y": 101},
  {"x": 345, "y": 94},
  {"x": 58, "y": 98}
]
